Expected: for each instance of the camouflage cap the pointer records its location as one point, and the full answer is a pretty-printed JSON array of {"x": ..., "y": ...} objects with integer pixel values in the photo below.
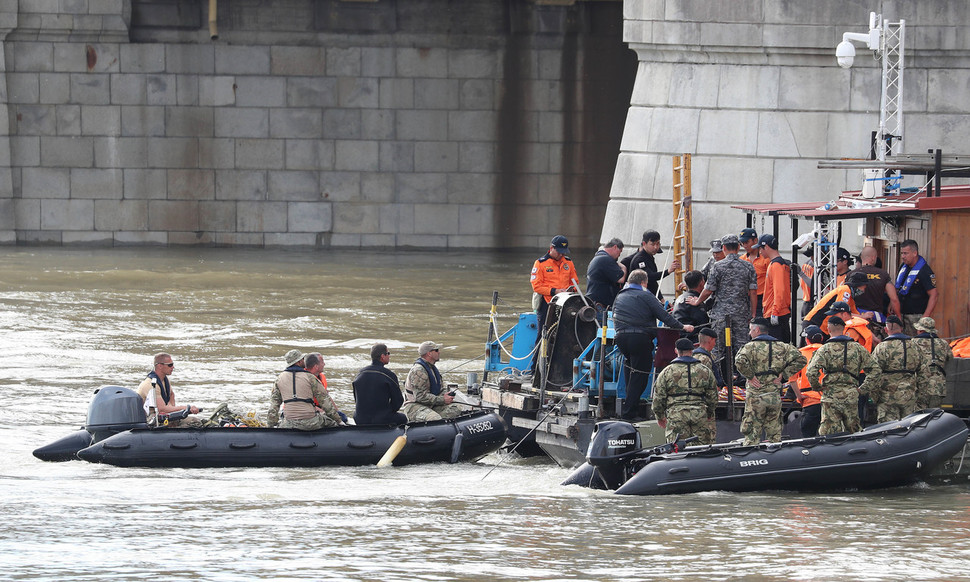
[
  {"x": 927, "y": 324},
  {"x": 730, "y": 239},
  {"x": 293, "y": 356}
]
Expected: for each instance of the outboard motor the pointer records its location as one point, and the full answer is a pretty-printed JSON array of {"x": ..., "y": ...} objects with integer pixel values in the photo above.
[
  {"x": 112, "y": 410},
  {"x": 610, "y": 447}
]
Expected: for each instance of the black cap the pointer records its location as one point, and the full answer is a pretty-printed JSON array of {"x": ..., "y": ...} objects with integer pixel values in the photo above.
[
  {"x": 836, "y": 320},
  {"x": 838, "y": 307},
  {"x": 768, "y": 240},
  {"x": 813, "y": 332},
  {"x": 843, "y": 255},
  {"x": 894, "y": 319},
  {"x": 708, "y": 332},
  {"x": 560, "y": 243},
  {"x": 684, "y": 344},
  {"x": 747, "y": 234},
  {"x": 761, "y": 322}
]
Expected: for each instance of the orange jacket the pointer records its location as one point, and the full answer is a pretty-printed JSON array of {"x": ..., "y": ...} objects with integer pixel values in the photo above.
[
  {"x": 961, "y": 348},
  {"x": 840, "y": 293},
  {"x": 809, "y": 396},
  {"x": 805, "y": 280},
  {"x": 760, "y": 265},
  {"x": 549, "y": 274},
  {"x": 777, "y": 299},
  {"x": 858, "y": 329}
]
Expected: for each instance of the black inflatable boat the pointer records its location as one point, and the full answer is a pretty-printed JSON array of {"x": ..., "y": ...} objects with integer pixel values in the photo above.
[
  {"x": 116, "y": 433},
  {"x": 883, "y": 455}
]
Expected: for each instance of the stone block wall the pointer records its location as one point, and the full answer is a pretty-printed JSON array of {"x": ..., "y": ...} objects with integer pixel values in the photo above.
[
  {"x": 752, "y": 89},
  {"x": 310, "y": 123}
]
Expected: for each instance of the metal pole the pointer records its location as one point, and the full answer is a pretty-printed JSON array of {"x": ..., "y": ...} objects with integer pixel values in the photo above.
[
  {"x": 602, "y": 371},
  {"x": 491, "y": 330}
]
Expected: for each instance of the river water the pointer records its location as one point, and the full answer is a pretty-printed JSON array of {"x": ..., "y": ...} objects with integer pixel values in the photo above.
[{"x": 73, "y": 320}]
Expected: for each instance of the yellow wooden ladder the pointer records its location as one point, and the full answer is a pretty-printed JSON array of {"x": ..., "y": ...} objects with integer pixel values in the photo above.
[{"x": 683, "y": 238}]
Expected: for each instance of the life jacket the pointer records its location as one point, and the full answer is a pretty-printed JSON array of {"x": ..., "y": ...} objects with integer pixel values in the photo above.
[
  {"x": 934, "y": 362},
  {"x": 689, "y": 361},
  {"x": 905, "y": 339},
  {"x": 907, "y": 276},
  {"x": 844, "y": 368},
  {"x": 294, "y": 370},
  {"x": 434, "y": 376},
  {"x": 163, "y": 385},
  {"x": 817, "y": 315},
  {"x": 861, "y": 327},
  {"x": 800, "y": 379},
  {"x": 961, "y": 347}
]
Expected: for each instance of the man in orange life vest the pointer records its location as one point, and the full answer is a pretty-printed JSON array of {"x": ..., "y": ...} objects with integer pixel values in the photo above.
[
  {"x": 551, "y": 273},
  {"x": 855, "y": 327},
  {"x": 854, "y": 284},
  {"x": 809, "y": 399}
]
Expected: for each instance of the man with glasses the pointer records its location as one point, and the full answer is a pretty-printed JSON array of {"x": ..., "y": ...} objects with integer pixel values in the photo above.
[
  {"x": 424, "y": 397},
  {"x": 157, "y": 392},
  {"x": 377, "y": 391}
]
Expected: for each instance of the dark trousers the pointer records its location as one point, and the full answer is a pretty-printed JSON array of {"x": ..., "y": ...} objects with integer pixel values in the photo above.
[
  {"x": 782, "y": 331},
  {"x": 541, "y": 320},
  {"x": 810, "y": 420},
  {"x": 638, "y": 350}
]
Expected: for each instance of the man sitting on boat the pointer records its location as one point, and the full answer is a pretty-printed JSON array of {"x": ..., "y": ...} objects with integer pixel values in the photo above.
[
  {"x": 425, "y": 400},
  {"x": 685, "y": 397},
  {"x": 306, "y": 403},
  {"x": 377, "y": 391},
  {"x": 156, "y": 391}
]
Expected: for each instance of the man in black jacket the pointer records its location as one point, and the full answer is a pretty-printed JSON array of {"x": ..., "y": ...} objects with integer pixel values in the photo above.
[
  {"x": 635, "y": 315},
  {"x": 644, "y": 259},
  {"x": 377, "y": 391}
]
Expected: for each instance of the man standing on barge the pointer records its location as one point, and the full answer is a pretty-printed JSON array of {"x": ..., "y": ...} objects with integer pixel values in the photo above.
[
  {"x": 916, "y": 286},
  {"x": 551, "y": 273}
]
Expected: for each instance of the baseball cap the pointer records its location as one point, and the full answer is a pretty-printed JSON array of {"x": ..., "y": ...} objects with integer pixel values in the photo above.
[
  {"x": 843, "y": 255},
  {"x": 812, "y": 331},
  {"x": 768, "y": 240},
  {"x": 426, "y": 347},
  {"x": 747, "y": 234},
  {"x": 838, "y": 307},
  {"x": 560, "y": 243}
]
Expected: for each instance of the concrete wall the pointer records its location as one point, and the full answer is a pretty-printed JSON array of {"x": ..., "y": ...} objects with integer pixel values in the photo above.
[
  {"x": 752, "y": 89},
  {"x": 315, "y": 123}
]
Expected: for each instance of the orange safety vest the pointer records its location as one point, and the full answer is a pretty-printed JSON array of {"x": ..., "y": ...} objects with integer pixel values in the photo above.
[
  {"x": 800, "y": 379},
  {"x": 858, "y": 329},
  {"x": 961, "y": 348}
]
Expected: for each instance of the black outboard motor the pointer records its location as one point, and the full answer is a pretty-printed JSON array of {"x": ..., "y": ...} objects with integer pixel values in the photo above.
[
  {"x": 610, "y": 447},
  {"x": 114, "y": 409}
]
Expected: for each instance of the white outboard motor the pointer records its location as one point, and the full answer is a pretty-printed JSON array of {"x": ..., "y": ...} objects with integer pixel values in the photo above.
[{"x": 610, "y": 447}]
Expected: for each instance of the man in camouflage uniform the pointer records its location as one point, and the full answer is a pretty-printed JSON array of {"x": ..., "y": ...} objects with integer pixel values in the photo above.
[
  {"x": 899, "y": 365},
  {"x": 843, "y": 361},
  {"x": 685, "y": 397},
  {"x": 424, "y": 397},
  {"x": 306, "y": 403},
  {"x": 930, "y": 394},
  {"x": 764, "y": 361},
  {"x": 734, "y": 285}
]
